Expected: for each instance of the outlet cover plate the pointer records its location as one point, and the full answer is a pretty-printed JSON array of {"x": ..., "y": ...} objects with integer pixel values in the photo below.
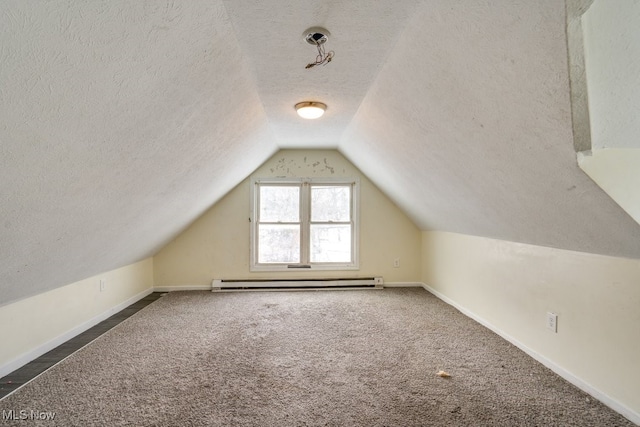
[{"x": 552, "y": 322}]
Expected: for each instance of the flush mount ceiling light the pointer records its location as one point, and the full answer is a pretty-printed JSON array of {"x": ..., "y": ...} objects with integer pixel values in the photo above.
[{"x": 310, "y": 110}]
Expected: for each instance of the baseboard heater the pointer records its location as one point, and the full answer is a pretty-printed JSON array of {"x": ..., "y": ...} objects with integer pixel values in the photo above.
[{"x": 235, "y": 285}]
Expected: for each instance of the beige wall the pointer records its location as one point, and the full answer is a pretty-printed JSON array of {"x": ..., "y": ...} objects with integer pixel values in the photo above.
[
  {"x": 33, "y": 326},
  {"x": 217, "y": 245},
  {"x": 512, "y": 286}
]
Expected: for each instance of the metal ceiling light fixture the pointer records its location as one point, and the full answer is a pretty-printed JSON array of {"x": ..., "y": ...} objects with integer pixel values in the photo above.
[{"x": 310, "y": 109}]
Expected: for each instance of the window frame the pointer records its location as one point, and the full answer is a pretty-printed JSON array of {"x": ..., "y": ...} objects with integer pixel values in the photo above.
[{"x": 305, "y": 185}]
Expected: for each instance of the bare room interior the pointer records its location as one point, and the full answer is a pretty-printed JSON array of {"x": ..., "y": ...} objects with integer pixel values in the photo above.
[{"x": 455, "y": 240}]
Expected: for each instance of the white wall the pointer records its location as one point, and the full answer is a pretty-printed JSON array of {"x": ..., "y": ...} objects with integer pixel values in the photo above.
[
  {"x": 510, "y": 287},
  {"x": 35, "y": 325},
  {"x": 612, "y": 62},
  {"x": 617, "y": 172},
  {"x": 217, "y": 245}
]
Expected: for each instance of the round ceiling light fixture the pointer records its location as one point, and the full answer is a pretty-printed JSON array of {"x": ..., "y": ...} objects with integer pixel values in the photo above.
[{"x": 310, "y": 109}]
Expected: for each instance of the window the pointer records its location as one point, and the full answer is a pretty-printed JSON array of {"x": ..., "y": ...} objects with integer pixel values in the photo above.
[{"x": 304, "y": 224}]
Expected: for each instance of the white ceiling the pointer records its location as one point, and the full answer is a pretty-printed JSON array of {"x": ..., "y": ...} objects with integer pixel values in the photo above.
[
  {"x": 121, "y": 122},
  {"x": 477, "y": 136},
  {"x": 362, "y": 35}
]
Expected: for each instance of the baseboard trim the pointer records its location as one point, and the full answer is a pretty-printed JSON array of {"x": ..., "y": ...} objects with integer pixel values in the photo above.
[
  {"x": 208, "y": 287},
  {"x": 38, "y": 351},
  {"x": 182, "y": 288},
  {"x": 402, "y": 285},
  {"x": 620, "y": 408}
]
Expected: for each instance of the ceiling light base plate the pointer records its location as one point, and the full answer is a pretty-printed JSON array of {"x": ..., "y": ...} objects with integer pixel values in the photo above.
[{"x": 316, "y": 35}]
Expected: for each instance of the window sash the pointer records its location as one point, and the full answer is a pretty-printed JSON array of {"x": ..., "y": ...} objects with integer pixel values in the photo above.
[
  {"x": 305, "y": 223},
  {"x": 260, "y": 256}
]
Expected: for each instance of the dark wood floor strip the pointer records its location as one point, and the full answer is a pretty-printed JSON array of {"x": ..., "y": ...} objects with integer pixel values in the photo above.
[{"x": 34, "y": 368}]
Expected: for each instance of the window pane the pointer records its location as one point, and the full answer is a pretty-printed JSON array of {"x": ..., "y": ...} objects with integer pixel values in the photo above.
[
  {"x": 279, "y": 203},
  {"x": 278, "y": 243},
  {"x": 330, "y": 243},
  {"x": 330, "y": 203}
]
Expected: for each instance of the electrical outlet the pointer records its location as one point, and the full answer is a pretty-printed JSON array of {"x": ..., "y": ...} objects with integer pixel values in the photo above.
[
  {"x": 552, "y": 322},
  {"x": 103, "y": 285},
  {"x": 396, "y": 263}
]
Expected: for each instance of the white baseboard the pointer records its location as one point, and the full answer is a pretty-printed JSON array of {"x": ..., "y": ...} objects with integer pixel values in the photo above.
[
  {"x": 38, "y": 351},
  {"x": 208, "y": 287},
  {"x": 402, "y": 285},
  {"x": 620, "y": 408},
  {"x": 182, "y": 288}
]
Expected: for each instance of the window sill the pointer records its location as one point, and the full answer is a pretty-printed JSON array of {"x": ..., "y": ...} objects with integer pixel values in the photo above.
[{"x": 299, "y": 269}]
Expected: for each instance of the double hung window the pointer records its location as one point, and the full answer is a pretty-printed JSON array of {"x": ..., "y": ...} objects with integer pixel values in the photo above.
[{"x": 304, "y": 224}]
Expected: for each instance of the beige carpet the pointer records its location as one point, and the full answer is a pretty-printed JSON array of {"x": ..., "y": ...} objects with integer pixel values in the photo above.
[{"x": 329, "y": 358}]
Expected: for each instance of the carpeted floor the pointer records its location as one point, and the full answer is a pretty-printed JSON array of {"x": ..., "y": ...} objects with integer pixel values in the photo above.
[{"x": 329, "y": 358}]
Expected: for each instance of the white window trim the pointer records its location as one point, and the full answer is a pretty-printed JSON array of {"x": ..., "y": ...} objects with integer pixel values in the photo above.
[{"x": 355, "y": 235}]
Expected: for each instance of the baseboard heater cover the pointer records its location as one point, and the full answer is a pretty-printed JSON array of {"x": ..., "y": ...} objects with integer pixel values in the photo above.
[{"x": 234, "y": 285}]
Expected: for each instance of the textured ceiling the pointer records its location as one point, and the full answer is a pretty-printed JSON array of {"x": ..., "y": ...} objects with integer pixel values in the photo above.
[
  {"x": 121, "y": 122},
  {"x": 362, "y": 35},
  {"x": 477, "y": 137}
]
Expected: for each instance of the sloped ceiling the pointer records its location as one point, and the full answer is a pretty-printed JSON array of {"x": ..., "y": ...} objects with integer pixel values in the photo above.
[
  {"x": 471, "y": 132},
  {"x": 362, "y": 35},
  {"x": 121, "y": 122}
]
